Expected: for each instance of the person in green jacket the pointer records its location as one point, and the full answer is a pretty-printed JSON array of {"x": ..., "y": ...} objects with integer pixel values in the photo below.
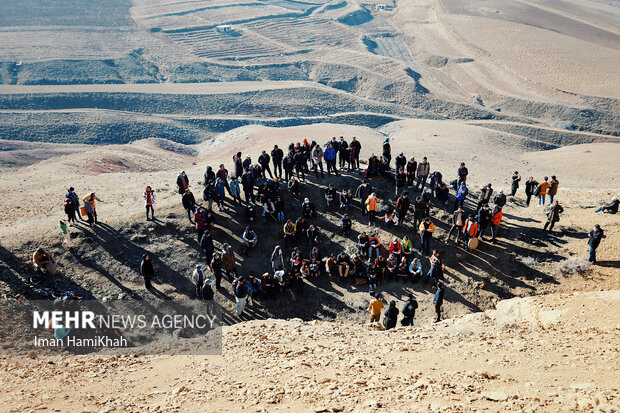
[{"x": 64, "y": 230}]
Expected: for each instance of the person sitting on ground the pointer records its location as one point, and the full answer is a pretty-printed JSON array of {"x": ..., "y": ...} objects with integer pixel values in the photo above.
[
  {"x": 250, "y": 214},
  {"x": 345, "y": 225},
  {"x": 313, "y": 234},
  {"x": 392, "y": 267},
  {"x": 442, "y": 193},
  {"x": 307, "y": 210},
  {"x": 415, "y": 270},
  {"x": 395, "y": 248},
  {"x": 358, "y": 268},
  {"x": 331, "y": 266},
  {"x": 610, "y": 208},
  {"x": 330, "y": 196},
  {"x": 374, "y": 246},
  {"x": 406, "y": 247},
  {"x": 389, "y": 218},
  {"x": 363, "y": 243},
  {"x": 500, "y": 199},
  {"x": 346, "y": 200},
  {"x": 294, "y": 187},
  {"x": 43, "y": 262},
  {"x": 344, "y": 264},
  {"x": 250, "y": 239},
  {"x": 289, "y": 232},
  {"x": 316, "y": 262}
]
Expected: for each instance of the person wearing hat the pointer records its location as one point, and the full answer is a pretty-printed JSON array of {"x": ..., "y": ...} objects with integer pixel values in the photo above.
[
  {"x": 390, "y": 316},
  {"x": 241, "y": 294},
  {"x": 516, "y": 178},
  {"x": 400, "y": 161},
  {"x": 485, "y": 196},
  {"x": 207, "y": 295},
  {"x": 387, "y": 152},
  {"x": 307, "y": 210},
  {"x": 438, "y": 299},
  {"x": 594, "y": 239},
  {"x": 408, "y": 310},
  {"x": 198, "y": 278},
  {"x": 610, "y": 208},
  {"x": 426, "y": 235},
  {"x": 362, "y": 192},
  {"x": 147, "y": 272},
  {"x": 246, "y": 162}
]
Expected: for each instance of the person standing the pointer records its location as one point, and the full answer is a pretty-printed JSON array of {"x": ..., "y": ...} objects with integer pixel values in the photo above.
[
  {"x": 241, "y": 295},
  {"x": 343, "y": 152},
  {"x": 470, "y": 229},
  {"x": 411, "y": 168},
  {"x": 400, "y": 181},
  {"x": 198, "y": 278},
  {"x": 228, "y": 261},
  {"x": 91, "y": 211},
  {"x": 147, "y": 272},
  {"x": 408, "y": 311},
  {"x": 458, "y": 220},
  {"x": 530, "y": 189},
  {"x": 70, "y": 211},
  {"x": 182, "y": 182},
  {"x": 238, "y": 162},
  {"x": 553, "y": 188},
  {"x": 189, "y": 202},
  {"x": 462, "y": 173},
  {"x": 263, "y": 161},
  {"x": 594, "y": 241},
  {"x": 402, "y": 206},
  {"x": 329, "y": 154},
  {"x": 277, "y": 155},
  {"x": 553, "y": 215},
  {"x": 247, "y": 182},
  {"x": 75, "y": 201},
  {"x": 363, "y": 192},
  {"x": 542, "y": 189},
  {"x": 484, "y": 219},
  {"x": 375, "y": 307},
  {"x": 215, "y": 266},
  {"x": 390, "y": 316},
  {"x": 235, "y": 191},
  {"x": 424, "y": 169},
  {"x": 461, "y": 194},
  {"x": 66, "y": 237},
  {"x": 438, "y": 299},
  {"x": 516, "y": 178},
  {"x": 207, "y": 295},
  {"x": 317, "y": 160},
  {"x": 356, "y": 148},
  {"x": 371, "y": 205},
  {"x": 426, "y": 235},
  {"x": 149, "y": 202},
  {"x": 387, "y": 152},
  {"x": 496, "y": 219}
]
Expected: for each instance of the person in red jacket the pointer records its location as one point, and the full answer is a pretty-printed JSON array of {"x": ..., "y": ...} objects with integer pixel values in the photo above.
[
  {"x": 496, "y": 219},
  {"x": 470, "y": 229}
]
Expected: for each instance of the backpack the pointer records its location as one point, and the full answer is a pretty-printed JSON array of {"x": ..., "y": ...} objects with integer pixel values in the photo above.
[{"x": 537, "y": 191}]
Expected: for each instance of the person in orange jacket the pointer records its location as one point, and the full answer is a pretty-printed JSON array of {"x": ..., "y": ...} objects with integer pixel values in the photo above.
[
  {"x": 470, "y": 229},
  {"x": 91, "y": 211},
  {"x": 542, "y": 189},
  {"x": 426, "y": 235},
  {"x": 372, "y": 202},
  {"x": 496, "y": 219}
]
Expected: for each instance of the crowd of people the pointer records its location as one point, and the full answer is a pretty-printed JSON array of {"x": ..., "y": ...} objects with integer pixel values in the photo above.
[{"x": 301, "y": 255}]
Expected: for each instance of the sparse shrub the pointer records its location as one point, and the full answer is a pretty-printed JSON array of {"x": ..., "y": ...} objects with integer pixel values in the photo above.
[{"x": 572, "y": 266}]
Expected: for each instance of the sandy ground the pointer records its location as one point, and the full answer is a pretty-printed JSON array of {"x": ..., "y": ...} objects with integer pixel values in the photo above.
[{"x": 548, "y": 353}]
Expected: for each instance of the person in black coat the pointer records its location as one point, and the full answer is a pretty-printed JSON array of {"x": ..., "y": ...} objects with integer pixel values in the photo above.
[
  {"x": 189, "y": 202},
  {"x": 289, "y": 164},
  {"x": 408, "y": 311},
  {"x": 390, "y": 316},
  {"x": 553, "y": 215},
  {"x": 263, "y": 161},
  {"x": 247, "y": 183},
  {"x": 277, "y": 155},
  {"x": 206, "y": 243},
  {"x": 595, "y": 237},
  {"x": 530, "y": 187},
  {"x": 500, "y": 199},
  {"x": 182, "y": 182},
  {"x": 146, "y": 270},
  {"x": 402, "y": 206},
  {"x": 356, "y": 148}
]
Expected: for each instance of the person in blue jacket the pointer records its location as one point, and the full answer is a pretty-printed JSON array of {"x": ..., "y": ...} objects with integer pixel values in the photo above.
[{"x": 461, "y": 194}]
